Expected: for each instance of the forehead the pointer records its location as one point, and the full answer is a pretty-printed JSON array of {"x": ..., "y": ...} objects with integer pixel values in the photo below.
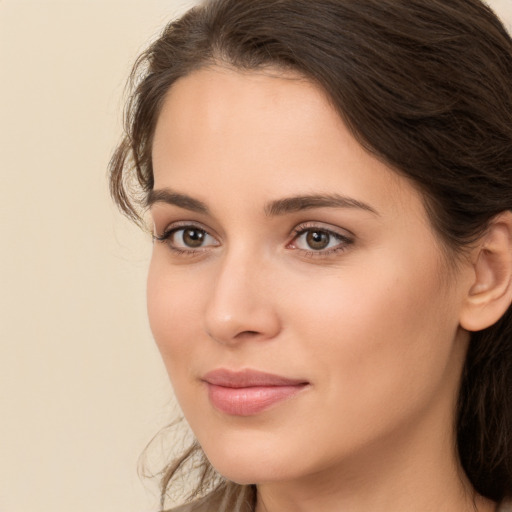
[
  {"x": 263, "y": 134},
  {"x": 214, "y": 100}
]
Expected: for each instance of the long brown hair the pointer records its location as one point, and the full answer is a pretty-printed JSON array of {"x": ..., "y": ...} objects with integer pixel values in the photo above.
[{"x": 424, "y": 85}]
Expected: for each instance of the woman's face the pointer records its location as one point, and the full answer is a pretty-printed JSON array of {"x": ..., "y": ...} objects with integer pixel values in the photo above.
[{"x": 300, "y": 300}]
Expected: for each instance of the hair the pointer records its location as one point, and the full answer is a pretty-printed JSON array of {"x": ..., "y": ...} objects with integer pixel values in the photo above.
[{"x": 423, "y": 85}]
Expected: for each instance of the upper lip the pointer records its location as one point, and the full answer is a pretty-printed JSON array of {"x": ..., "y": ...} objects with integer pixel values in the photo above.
[{"x": 248, "y": 378}]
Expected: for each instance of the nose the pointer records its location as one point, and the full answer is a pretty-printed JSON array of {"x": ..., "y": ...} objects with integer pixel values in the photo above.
[{"x": 242, "y": 303}]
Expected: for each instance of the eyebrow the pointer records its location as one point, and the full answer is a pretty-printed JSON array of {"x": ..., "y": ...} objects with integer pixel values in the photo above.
[
  {"x": 272, "y": 209},
  {"x": 308, "y": 202},
  {"x": 168, "y": 196}
]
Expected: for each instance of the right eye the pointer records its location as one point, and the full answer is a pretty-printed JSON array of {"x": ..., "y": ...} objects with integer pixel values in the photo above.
[{"x": 187, "y": 239}]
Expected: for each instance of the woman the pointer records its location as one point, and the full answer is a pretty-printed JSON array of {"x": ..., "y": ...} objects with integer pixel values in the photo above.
[{"x": 330, "y": 186}]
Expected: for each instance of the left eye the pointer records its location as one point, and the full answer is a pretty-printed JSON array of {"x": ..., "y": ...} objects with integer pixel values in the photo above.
[{"x": 318, "y": 240}]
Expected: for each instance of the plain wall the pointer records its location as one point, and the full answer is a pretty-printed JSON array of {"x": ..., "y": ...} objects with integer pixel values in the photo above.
[{"x": 82, "y": 388}]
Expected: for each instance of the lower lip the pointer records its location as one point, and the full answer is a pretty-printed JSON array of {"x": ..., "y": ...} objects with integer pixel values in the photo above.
[{"x": 251, "y": 400}]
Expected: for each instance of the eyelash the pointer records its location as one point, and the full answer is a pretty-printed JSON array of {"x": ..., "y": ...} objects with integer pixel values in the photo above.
[
  {"x": 342, "y": 245},
  {"x": 180, "y": 251},
  {"x": 343, "y": 240}
]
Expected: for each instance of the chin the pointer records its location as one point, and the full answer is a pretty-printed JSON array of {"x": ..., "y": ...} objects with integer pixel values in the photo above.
[
  {"x": 249, "y": 461},
  {"x": 247, "y": 472}
]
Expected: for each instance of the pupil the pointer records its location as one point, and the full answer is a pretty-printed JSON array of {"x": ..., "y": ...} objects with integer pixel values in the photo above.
[
  {"x": 193, "y": 237},
  {"x": 317, "y": 240}
]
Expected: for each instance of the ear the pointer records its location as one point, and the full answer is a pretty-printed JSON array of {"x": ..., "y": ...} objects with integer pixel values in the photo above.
[{"x": 490, "y": 292}]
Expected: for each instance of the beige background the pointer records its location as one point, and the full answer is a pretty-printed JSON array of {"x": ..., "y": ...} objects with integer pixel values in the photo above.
[{"x": 82, "y": 388}]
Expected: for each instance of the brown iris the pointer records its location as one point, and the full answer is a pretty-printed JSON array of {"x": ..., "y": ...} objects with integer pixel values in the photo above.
[
  {"x": 317, "y": 240},
  {"x": 193, "y": 237}
]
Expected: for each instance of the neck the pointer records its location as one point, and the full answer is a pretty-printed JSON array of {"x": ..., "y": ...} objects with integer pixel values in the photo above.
[
  {"x": 387, "y": 487},
  {"x": 415, "y": 469}
]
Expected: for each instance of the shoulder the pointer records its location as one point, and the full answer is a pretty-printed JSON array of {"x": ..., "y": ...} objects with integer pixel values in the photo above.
[
  {"x": 203, "y": 505},
  {"x": 227, "y": 498},
  {"x": 191, "y": 507},
  {"x": 210, "y": 503},
  {"x": 196, "y": 506},
  {"x": 206, "y": 506},
  {"x": 505, "y": 506}
]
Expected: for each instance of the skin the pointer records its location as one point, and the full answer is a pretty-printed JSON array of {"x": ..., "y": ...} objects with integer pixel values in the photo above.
[{"x": 372, "y": 322}]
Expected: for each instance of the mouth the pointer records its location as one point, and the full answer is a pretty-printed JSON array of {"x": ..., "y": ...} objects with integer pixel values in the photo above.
[{"x": 249, "y": 392}]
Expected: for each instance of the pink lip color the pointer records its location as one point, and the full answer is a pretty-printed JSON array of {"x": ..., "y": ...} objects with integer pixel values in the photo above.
[{"x": 248, "y": 392}]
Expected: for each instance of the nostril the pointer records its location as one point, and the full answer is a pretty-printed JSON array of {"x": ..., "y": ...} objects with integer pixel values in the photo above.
[
  {"x": 247, "y": 333},
  {"x": 247, "y": 336},
  {"x": 233, "y": 318}
]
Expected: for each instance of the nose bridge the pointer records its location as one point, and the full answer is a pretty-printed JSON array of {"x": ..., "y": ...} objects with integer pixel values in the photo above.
[{"x": 241, "y": 303}]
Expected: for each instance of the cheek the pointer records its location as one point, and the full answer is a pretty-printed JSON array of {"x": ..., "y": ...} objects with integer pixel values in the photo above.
[
  {"x": 173, "y": 311},
  {"x": 377, "y": 333}
]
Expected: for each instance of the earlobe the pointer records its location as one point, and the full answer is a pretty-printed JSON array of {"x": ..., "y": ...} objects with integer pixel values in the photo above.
[{"x": 490, "y": 293}]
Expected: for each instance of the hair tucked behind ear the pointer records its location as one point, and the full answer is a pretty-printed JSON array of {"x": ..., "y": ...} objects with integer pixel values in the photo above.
[
  {"x": 485, "y": 410},
  {"x": 425, "y": 85}
]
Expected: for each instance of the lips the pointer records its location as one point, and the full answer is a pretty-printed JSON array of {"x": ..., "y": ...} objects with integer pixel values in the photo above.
[{"x": 249, "y": 392}]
